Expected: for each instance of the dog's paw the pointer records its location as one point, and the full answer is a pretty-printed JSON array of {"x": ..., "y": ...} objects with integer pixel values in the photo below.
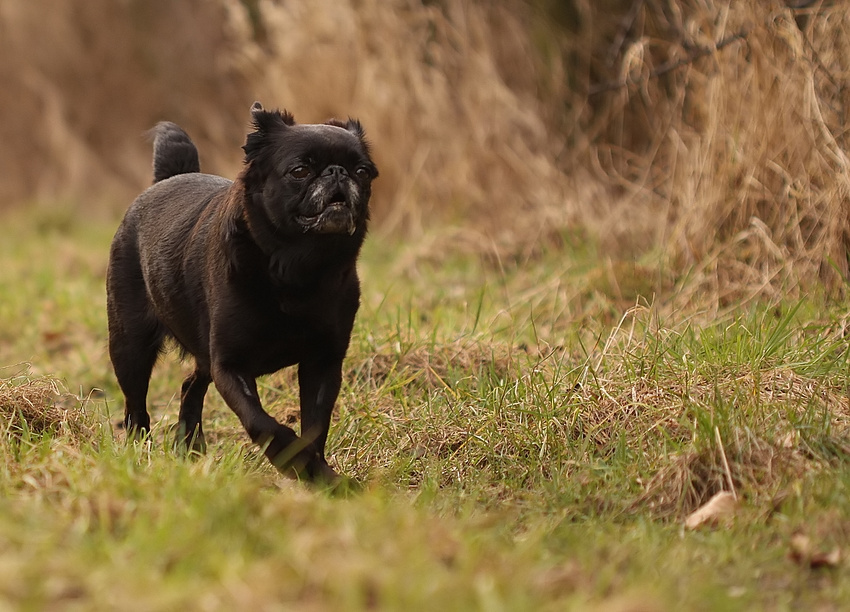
[
  {"x": 326, "y": 479},
  {"x": 192, "y": 444},
  {"x": 344, "y": 487}
]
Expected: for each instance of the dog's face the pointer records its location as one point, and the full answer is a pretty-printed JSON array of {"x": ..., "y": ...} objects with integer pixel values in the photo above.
[{"x": 309, "y": 178}]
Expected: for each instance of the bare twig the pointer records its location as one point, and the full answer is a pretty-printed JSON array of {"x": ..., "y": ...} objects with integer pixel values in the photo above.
[
  {"x": 625, "y": 26},
  {"x": 670, "y": 66}
]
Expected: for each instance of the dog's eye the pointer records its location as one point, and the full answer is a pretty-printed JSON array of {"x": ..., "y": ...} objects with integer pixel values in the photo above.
[
  {"x": 300, "y": 172},
  {"x": 363, "y": 173}
]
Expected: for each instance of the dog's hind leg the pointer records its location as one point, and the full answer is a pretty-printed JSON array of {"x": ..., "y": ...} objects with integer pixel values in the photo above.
[
  {"x": 134, "y": 350},
  {"x": 190, "y": 433},
  {"x": 135, "y": 335}
]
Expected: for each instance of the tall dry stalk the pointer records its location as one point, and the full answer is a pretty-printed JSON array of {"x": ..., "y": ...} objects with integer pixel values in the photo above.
[
  {"x": 739, "y": 152},
  {"x": 444, "y": 90},
  {"x": 708, "y": 131}
]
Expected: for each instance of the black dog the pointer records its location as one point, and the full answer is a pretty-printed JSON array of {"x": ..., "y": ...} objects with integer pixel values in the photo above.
[{"x": 248, "y": 276}]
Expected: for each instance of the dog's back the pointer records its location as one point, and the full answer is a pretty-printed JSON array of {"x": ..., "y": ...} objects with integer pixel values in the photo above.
[
  {"x": 146, "y": 256},
  {"x": 173, "y": 152}
]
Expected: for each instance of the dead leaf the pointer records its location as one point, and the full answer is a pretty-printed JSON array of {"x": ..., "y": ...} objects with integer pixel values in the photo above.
[
  {"x": 790, "y": 440},
  {"x": 56, "y": 341},
  {"x": 802, "y": 553},
  {"x": 720, "y": 507},
  {"x": 824, "y": 559}
]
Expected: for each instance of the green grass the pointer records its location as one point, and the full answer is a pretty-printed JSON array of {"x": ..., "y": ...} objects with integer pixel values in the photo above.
[{"x": 531, "y": 435}]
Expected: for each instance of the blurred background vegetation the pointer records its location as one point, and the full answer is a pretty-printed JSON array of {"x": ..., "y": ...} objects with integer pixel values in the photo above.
[{"x": 705, "y": 138}]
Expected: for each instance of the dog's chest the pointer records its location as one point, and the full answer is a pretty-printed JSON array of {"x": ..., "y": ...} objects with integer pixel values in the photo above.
[{"x": 283, "y": 330}]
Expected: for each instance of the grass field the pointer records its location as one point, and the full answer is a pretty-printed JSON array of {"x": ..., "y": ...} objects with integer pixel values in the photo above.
[{"x": 531, "y": 435}]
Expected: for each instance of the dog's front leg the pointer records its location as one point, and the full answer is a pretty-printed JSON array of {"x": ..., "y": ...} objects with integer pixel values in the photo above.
[
  {"x": 319, "y": 384},
  {"x": 280, "y": 444}
]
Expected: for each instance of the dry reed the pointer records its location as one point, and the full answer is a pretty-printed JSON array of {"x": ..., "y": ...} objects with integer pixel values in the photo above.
[
  {"x": 725, "y": 122},
  {"x": 708, "y": 133}
]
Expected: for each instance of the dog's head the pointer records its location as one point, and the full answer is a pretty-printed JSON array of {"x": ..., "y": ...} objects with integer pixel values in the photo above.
[{"x": 308, "y": 178}]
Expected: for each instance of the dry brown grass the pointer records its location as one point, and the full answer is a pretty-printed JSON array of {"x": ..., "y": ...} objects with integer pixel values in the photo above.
[
  {"x": 433, "y": 84},
  {"x": 762, "y": 445},
  {"x": 735, "y": 162},
  {"x": 432, "y": 366},
  {"x": 757, "y": 462},
  {"x": 510, "y": 120},
  {"x": 41, "y": 405},
  {"x": 81, "y": 84},
  {"x": 446, "y": 92}
]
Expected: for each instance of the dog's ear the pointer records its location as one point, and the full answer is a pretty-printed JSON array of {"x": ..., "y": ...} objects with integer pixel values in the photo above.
[{"x": 265, "y": 123}]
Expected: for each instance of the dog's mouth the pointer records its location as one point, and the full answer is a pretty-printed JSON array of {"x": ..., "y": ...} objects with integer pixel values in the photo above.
[{"x": 336, "y": 218}]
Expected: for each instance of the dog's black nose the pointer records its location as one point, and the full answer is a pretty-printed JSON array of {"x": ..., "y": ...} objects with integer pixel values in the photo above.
[{"x": 334, "y": 170}]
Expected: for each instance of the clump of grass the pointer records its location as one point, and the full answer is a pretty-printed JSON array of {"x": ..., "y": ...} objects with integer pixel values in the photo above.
[
  {"x": 437, "y": 365},
  {"x": 726, "y": 407},
  {"x": 757, "y": 468},
  {"x": 41, "y": 406}
]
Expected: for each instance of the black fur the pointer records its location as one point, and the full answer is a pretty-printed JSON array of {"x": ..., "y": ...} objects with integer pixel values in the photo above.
[
  {"x": 173, "y": 152},
  {"x": 248, "y": 276}
]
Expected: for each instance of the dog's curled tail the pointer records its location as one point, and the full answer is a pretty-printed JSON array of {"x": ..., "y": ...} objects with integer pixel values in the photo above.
[{"x": 173, "y": 151}]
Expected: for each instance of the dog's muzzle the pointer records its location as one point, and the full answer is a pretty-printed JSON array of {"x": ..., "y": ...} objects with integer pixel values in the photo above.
[
  {"x": 336, "y": 218},
  {"x": 335, "y": 201}
]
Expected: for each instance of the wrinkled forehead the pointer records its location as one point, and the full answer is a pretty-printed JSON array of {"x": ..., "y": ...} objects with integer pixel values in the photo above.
[
  {"x": 322, "y": 133},
  {"x": 323, "y": 144}
]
